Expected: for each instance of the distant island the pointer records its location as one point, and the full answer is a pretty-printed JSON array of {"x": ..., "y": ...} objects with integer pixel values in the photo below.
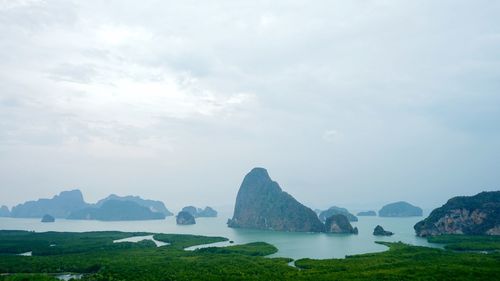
[
  {"x": 400, "y": 209},
  {"x": 334, "y": 210},
  {"x": 116, "y": 210},
  {"x": 48, "y": 218},
  {"x": 208, "y": 212},
  {"x": 185, "y": 218},
  {"x": 152, "y": 205},
  {"x": 339, "y": 223},
  {"x": 262, "y": 204},
  {"x": 59, "y": 206},
  {"x": 4, "y": 211},
  {"x": 71, "y": 205},
  {"x": 367, "y": 214},
  {"x": 471, "y": 215}
]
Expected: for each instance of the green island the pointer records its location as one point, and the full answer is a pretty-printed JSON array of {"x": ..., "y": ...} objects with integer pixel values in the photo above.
[{"x": 94, "y": 256}]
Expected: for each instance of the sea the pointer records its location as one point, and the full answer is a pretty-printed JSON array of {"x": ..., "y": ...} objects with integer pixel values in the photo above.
[{"x": 293, "y": 245}]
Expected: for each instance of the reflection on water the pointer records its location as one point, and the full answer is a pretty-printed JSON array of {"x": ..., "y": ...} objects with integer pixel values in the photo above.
[{"x": 293, "y": 245}]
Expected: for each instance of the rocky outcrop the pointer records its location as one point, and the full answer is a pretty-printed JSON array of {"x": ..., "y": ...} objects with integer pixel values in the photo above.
[
  {"x": 367, "y": 214},
  {"x": 261, "y": 204},
  {"x": 48, "y": 218},
  {"x": 339, "y": 224},
  {"x": 380, "y": 231},
  {"x": 334, "y": 210},
  {"x": 116, "y": 210},
  {"x": 4, "y": 211},
  {"x": 471, "y": 215},
  {"x": 185, "y": 218},
  {"x": 208, "y": 212},
  {"x": 152, "y": 205},
  {"x": 60, "y": 206},
  {"x": 400, "y": 209}
]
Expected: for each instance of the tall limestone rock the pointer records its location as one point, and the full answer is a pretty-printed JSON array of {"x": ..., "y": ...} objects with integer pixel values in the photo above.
[
  {"x": 261, "y": 204},
  {"x": 472, "y": 215}
]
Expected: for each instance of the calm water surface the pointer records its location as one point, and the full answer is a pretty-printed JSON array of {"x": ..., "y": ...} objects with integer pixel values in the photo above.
[{"x": 293, "y": 245}]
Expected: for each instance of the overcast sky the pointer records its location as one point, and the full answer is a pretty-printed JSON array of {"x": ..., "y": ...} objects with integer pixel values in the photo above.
[{"x": 350, "y": 103}]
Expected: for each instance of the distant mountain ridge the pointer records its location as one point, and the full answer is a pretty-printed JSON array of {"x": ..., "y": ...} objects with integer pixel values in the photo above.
[
  {"x": 152, "y": 205},
  {"x": 116, "y": 210},
  {"x": 208, "y": 212},
  {"x": 59, "y": 206},
  {"x": 70, "y": 204}
]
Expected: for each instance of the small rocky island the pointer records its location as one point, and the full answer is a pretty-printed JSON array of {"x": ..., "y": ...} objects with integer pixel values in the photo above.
[
  {"x": 261, "y": 204},
  {"x": 334, "y": 210},
  {"x": 185, "y": 218},
  {"x": 367, "y": 214},
  {"x": 48, "y": 218},
  {"x": 380, "y": 231},
  {"x": 400, "y": 209},
  {"x": 208, "y": 212},
  {"x": 471, "y": 215},
  {"x": 339, "y": 224}
]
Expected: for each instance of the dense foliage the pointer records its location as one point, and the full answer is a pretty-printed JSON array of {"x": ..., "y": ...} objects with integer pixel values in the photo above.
[
  {"x": 95, "y": 255},
  {"x": 468, "y": 242}
]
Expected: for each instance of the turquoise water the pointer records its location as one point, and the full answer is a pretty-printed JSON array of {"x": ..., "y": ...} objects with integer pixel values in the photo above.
[{"x": 293, "y": 245}]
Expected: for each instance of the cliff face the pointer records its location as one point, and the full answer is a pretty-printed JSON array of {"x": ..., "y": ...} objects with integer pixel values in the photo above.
[
  {"x": 472, "y": 215},
  {"x": 261, "y": 204},
  {"x": 400, "y": 209}
]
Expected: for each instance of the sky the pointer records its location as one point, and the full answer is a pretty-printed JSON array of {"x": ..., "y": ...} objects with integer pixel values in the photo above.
[{"x": 349, "y": 103}]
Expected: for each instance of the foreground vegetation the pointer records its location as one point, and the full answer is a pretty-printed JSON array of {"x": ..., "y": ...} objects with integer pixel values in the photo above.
[{"x": 95, "y": 255}]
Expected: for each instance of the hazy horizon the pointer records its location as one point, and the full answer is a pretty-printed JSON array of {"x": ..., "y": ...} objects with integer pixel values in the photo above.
[{"x": 348, "y": 103}]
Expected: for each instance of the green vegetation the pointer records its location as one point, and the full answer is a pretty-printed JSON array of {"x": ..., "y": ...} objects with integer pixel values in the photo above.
[
  {"x": 98, "y": 258},
  {"x": 468, "y": 242}
]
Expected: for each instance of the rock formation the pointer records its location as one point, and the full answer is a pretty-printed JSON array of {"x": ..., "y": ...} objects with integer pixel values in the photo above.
[
  {"x": 261, "y": 204},
  {"x": 60, "y": 206},
  {"x": 380, "y": 231},
  {"x": 367, "y": 214},
  {"x": 48, "y": 218},
  {"x": 185, "y": 218},
  {"x": 472, "y": 215},
  {"x": 152, "y": 205},
  {"x": 4, "y": 211},
  {"x": 116, "y": 210},
  {"x": 339, "y": 224},
  {"x": 200, "y": 213},
  {"x": 400, "y": 209},
  {"x": 334, "y": 210}
]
